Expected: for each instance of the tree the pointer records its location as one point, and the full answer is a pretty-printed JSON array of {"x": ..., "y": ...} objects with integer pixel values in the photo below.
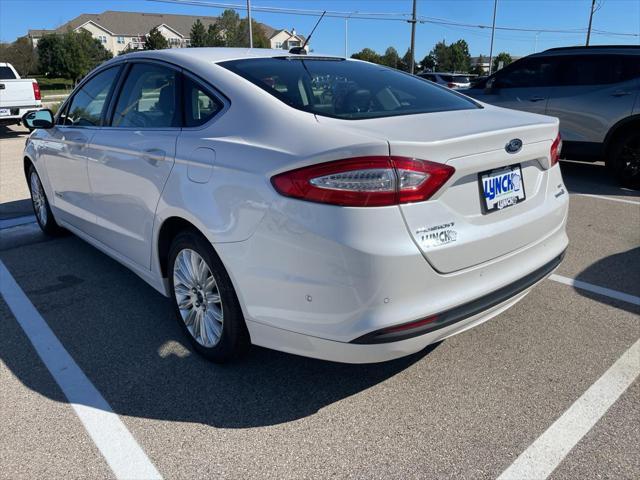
[
  {"x": 405, "y": 65},
  {"x": 391, "y": 58},
  {"x": 198, "y": 34},
  {"x": 155, "y": 40},
  {"x": 228, "y": 25},
  {"x": 460, "y": 58},
  {"x": 429, "y": 63},
  {"x": 214, "y": 38},
  {"x": 503, "y": 57},
  {"x": 21, "y": 55},
  {"x": 477, "y": 69},
  {"x": 368, "y": 55},
  {"x": 441, "y": 56},
  {"x": 71, "y": 55},
  {"x": 260, "y": 39}
]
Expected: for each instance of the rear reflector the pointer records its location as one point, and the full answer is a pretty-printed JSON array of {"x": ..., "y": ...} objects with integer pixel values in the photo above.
[
  {"x": 556, "y": 148},
  {"x": 36, "y": 91},
  {"x": 364, "y": 181}
]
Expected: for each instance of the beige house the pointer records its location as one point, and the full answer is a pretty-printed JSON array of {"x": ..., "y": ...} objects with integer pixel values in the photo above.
[
  {"x": 119, "y": 30},
  {"x": 286, "y": 40}
]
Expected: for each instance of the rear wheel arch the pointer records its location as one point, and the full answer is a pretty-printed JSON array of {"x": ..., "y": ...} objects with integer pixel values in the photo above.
[
  {"x": 27, "y": 162},
  {"x": 169, "y": 230},
  {"x": 618, "y": 131}
]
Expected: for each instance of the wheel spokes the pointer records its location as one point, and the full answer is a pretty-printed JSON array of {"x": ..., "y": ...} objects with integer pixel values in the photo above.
[{"x": 197, "y": 297}]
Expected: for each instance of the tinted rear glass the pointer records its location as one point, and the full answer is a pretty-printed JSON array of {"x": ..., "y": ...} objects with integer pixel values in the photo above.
[
  {"x": 455, "y": 78},
  {"x": 346, "y": 89},
  {"x": 6, "y": 74}
]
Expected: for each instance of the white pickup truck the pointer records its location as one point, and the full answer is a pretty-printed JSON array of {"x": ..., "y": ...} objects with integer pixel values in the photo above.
[{"x": 17, "y": 95}]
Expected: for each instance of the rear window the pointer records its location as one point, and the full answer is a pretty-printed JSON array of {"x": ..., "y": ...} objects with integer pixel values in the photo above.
[
  {"x": 346, "y": 89},
  {"x": 455, "y": 78},
  {"x": 6, "y": 74}
]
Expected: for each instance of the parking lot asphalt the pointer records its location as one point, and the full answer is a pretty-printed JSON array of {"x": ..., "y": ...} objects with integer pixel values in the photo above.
[{"x": 464, "y": 408}]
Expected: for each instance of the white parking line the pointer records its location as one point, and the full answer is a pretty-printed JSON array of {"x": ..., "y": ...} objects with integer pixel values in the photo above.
[
  {"x": 625, "y": 297},
  {"x": 545, "y": 454},
  {"x": 602, "y": 197},
  {"x": 121, "y": 451},
  {"x": 14, "y": 222}
]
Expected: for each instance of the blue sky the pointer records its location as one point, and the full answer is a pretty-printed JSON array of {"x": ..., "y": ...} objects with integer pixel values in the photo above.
[{"x": 17, "y": 16}]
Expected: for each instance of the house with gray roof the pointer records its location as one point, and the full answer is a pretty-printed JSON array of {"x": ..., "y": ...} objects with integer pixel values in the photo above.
[{"x": 118, "y": 31}]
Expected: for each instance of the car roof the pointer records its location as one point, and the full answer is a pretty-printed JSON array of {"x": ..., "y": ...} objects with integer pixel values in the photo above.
[
  {"x": 592, "y": 49},
  {"x": 445, "y": 73},
  {"x": 216, "y": 54}
]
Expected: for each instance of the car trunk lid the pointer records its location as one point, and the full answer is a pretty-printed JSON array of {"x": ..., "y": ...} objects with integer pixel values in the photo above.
[{"x": 453, "y": 229}]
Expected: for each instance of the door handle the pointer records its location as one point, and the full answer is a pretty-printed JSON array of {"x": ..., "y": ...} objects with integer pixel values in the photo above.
[
  {"x": 154, "y": 155},
  {"x": 620, "y": 93},
  {"x": 537, "y": 99}
]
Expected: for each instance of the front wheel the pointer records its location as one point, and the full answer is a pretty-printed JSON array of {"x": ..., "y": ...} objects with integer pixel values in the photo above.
[
  {"x": 625, "y": 160},
  {"x": 204, "y": 299},
  {"x": 41, "y": 207}
]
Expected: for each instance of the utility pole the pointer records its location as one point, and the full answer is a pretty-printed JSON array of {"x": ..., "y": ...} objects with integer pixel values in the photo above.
[
  {"x": 593, "y": 6},
  {"x": 250, "y": 26},
  {"x": 413, "y": 22},
  {"x": 346, "y": 36},
  {"x": 493, "y": 32}
]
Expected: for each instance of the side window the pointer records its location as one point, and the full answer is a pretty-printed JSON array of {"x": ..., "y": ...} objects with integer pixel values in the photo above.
[
  {"x": 199, "y": 106},
  {"x": 530, "y": 72},
  {"x": 88, "y": 105},
  {"x": 629, "y": 68},
  {"x": 148, "y": 98},
  {"x": 580, "y": 70}
]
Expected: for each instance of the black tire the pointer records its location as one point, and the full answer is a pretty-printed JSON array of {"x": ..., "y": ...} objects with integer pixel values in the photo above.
[
  {"x": 625, "y": 160},
  {"x": 45, "y": 217},
  {"x": 234, "y": 340}
]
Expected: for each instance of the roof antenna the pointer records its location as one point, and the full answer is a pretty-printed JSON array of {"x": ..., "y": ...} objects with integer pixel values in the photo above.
[{"x": 301, "y": 50}]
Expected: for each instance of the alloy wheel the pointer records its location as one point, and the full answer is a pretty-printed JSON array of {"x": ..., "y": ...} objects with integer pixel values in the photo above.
[
  {"x": 38, "y": 198},
  {"x": 198, "y": 298}
]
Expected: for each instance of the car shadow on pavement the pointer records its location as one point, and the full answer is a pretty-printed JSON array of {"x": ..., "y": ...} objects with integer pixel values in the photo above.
[
  {"x": 124, "y": 336},
  {"x": 17, "y": 208},
  {"x": 620, "y": 272},
  {"x": 14, "y": 131},
  {"x": 593, "y": 179}
]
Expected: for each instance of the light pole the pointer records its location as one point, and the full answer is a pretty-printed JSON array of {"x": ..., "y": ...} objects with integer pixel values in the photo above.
[
  {"x": 250, "y": 26},
  {"x": 493, "y": 31},
  {"x": 413, "y": 37}
]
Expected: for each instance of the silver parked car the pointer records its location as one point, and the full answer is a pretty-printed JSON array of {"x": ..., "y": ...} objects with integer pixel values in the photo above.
[{"x": 594, "y": 91}]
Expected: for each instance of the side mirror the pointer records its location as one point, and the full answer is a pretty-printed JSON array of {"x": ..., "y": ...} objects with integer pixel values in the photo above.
[
  {"x": 38, "y": 119},
  {"x": 489, "y": 85}
]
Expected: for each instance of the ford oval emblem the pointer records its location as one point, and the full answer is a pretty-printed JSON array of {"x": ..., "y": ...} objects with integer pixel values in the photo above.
[{"x": 513, "y": 146}]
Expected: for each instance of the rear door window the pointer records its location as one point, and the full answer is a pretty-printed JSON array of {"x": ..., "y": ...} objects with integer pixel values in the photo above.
[
  {"x": 149, "y": 98},
  {"x": 200, "y": 106},
  {"x": 582, "y": 70}
]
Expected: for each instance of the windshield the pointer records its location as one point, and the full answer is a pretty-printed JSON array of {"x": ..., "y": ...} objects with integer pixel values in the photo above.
[{"x": 346, "y": 89}]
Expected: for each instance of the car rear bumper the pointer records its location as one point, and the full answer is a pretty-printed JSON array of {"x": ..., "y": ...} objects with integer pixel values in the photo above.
[
  {"x": 476, "y": 307},
  {"x": 16, "y": 113}
]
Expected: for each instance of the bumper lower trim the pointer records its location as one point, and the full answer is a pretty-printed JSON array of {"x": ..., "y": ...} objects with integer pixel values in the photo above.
[{"x": 463, "y": 311}]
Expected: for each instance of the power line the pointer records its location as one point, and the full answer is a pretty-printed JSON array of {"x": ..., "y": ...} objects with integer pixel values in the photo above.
[{"x": 386, "y": 16}]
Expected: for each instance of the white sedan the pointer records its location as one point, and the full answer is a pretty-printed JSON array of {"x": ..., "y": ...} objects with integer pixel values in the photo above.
[{"x": 311, "y": 204}]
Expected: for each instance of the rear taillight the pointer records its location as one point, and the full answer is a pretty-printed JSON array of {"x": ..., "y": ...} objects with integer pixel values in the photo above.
[
  {"x": 36, "y": 91},
  {"x": 451, "y": 85},
  {"x": 556, "y": 148},
  {"x": 364, "y": 181}
]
